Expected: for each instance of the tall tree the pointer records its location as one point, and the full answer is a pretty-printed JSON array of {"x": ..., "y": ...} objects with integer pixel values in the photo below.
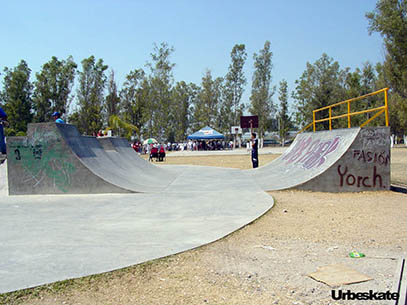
[
  {"x": 112, "y": 101},
  {"x": 320, "y": 85},
  {"x": 359, "y": 83},
  {"x": 53, "y": 87},
  {"x": 134, "y": 95},
  {"x": 161, "y": 81},
  {"x": 206, "y": 107},
  {"x": 90, "y": 95},
  {"x": 262, "y": 91},
  {"x": 235, "y": 82},
  {"x": 397, "y": 105},
  {"x": 17, "y": 98},
  {"x": 283, "y": 117},
  {"x": 390, "y": 20},
  {"x": 183, "y": 96}
]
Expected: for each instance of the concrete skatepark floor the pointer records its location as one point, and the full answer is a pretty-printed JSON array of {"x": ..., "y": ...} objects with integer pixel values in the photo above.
[{"x": 267, "y": 261}]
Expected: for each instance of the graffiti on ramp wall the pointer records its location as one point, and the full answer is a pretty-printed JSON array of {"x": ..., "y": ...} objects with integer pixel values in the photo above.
[
  {"x": 42, "y": 157},
  {"x": 309, "y": 153}
]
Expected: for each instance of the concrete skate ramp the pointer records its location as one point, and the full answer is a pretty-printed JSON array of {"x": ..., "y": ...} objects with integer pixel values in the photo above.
[
  {"x": 341, "y": 160},
  {"x": 56, "y": 159},
  {"x": 50, "y": 238},
  {"x": 119, "y": 150}
]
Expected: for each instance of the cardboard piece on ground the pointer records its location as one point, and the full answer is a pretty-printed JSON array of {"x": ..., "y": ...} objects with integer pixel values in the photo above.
[{"x": 337, "y": 275}]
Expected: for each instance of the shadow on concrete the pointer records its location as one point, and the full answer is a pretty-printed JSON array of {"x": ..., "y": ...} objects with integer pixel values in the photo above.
[{"x": 399, "y": 188}]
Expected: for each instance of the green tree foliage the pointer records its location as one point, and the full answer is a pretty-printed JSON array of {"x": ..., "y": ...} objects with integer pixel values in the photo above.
[
  {"x": 183, "y": 96},
  {"x": 160, "y": 83},
  {"x": 53, "y": 87},
  {"x": 205, "y": 110},
  {"x": 90, "y": 95},
  {"x": 235, "y": 80},
  {"x": 397, "y": 105},
  {"x": 358, "y": 83},
  {"x": 112, "y": 100},
  {"x": 75, "y": 119},
  {"x": 390, "y": 20},
  {"x": 134, "y": 96},
  {"x": 121, "y": 127},
  {"x": 16, "y": 97},
  {"x": 320, "y": 85},
  {"x": 283, "y": 117},
  {"x": 262, "y": 91}
]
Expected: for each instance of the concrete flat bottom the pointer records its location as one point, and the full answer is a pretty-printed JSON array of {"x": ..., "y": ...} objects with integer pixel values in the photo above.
[{"x": 47, "y": 238}]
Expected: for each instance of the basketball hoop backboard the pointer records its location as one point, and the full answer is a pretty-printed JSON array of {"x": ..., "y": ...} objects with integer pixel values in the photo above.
[{"x": 236, "y": 130}]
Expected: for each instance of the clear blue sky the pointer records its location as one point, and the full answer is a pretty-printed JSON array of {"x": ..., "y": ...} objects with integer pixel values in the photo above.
[{"x": 203, "y": 33}]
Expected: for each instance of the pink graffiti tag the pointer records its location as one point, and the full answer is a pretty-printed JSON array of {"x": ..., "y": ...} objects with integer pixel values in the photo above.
[{"x": 310, "y": 153}]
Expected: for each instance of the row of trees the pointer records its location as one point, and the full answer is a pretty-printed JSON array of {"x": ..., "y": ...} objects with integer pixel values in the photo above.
[
  {"x": 149, "y": 100},
  {"x": 153, "y": 104}
]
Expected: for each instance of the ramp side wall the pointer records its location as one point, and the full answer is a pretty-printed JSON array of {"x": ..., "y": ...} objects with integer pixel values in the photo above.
[
  {"x": 364, "y": 167},
  {"x": 43, "y": 163},
  {"x": 310, "y": 155}
]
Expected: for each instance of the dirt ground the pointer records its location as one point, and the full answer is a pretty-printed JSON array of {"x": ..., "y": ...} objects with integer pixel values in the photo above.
[{"x": 266, "y": 262}]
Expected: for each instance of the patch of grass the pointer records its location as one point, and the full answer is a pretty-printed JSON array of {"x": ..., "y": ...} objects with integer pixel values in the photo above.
[{"x": 85, "y": 283}]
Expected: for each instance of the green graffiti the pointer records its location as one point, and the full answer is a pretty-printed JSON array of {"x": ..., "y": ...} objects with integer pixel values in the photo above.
[{"x": 42, "y": 156}]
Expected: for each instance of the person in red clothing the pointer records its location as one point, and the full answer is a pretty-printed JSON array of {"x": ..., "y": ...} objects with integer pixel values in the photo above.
[
  {"x": 154, "y": 153},
  {"x": 135, "y": 146},
  {"x": 161, "y": 154}
]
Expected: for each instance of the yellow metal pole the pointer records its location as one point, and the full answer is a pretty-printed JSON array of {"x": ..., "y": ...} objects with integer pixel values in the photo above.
[
  {"x": 330, "y": 120},
  {"x": 348, "y": 114},
  {"x": 372, "y": 118},
  {"x": 313, "y": 119},
  {"x": 386, "y": 107}
]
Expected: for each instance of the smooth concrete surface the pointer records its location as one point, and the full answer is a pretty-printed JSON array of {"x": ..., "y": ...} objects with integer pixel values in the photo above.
[
  {"x": 47, "y": 238},
  {"x": 56, "y": 159},
  {"x": 340, "y": 160},
  {"x": 308, "y": 156},
  {"x": 3, "y": 180},
  {"x": 365, "y": 166},
  {"x": 45, "y": 162}
]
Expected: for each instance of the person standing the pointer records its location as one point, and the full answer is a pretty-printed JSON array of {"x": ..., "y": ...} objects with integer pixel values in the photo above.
[
  {"x": 57, "y": 117},
  {"x": 3, "y": 121},
  {"x": 255, "y": 151}
]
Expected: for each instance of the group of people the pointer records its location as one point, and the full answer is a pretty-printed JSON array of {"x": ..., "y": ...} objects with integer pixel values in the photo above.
[
  {"x": 190, "y": 145},
  {"x": 157, "y": 153},
  {"x": 154, "y": 151}
]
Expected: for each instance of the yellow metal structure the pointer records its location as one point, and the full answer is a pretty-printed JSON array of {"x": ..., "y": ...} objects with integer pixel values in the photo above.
[{"x": 382, "y": 109}]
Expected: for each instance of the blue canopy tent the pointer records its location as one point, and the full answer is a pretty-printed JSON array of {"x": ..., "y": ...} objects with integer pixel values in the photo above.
[{"x": 206, "y": 133}]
